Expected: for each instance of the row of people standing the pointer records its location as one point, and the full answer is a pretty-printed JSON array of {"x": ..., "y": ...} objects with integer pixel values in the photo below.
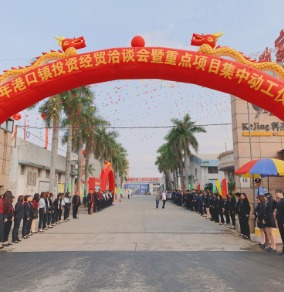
[
  {"x": 269, "y": 214},
  {"x": 217, "y": 209},
  {"x": 37, "y": 213},
  {"x": 97, "y": 201}
]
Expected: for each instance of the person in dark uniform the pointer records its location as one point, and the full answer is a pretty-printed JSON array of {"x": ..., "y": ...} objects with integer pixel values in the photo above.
[
  {"x": 8, "y": 213},
  {"x": 215, "y": 208},
  {"x": 221, "y": 209},
  {"x": 96, "y": 202},
  {"x": 244, "y": 212},
  {"x": 201, "y": 202},
  {"x": 211, "y": 207},
  {"x": 76, "y": 202},
  {"x": 18, "y": 216},
  {"x": 259, "y": 215},
  {"x": 232, "y": 210},
  {"x": 190, "y": 203},
  {"x": 90, "y": 198},
  {"x": 238, "y": 196},
  {"x": 280, "y": 215},
  {"x": 227, "y": 210},
  {"x": 27, "y": 217},
  {"x": 268, "y": 221}
]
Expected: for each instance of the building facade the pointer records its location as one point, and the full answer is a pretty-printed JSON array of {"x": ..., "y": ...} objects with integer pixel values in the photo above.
[
  {"x": 142, "y": 185},
  {"x": 5, "y": 153},
  {"x": 204, "y": 169},
  {"x": 256, "y": 134},
  {"x": 30, "y": 168}
]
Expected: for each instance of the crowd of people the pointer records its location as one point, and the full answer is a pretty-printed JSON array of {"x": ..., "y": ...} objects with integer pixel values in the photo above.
[
  {"x": 38, "y": 213},
  {"x": 268, "y": 212},
  {"x": 97, "y": 201}
]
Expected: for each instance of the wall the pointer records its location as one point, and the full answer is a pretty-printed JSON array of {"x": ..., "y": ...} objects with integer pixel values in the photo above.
[
  {"x": 5, "y": 153},
  {"x": 198, "y": 169},
  {"x": 30, "y": 159},
  {"x": 262, "y": 147}
]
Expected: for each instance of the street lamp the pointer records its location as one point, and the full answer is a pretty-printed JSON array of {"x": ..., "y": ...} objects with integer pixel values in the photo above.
[{"x": 8, "y": 126}]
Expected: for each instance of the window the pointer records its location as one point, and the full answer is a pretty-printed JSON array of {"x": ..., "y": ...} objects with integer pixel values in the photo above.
[
  {"x": 39, "y": 172},
  {"x": 31, "y": 178},
  {"x": 59, "y": 177},
  {"x": 47, "y": 174},
  {"x": 22, "y": 169},
  {"x": 195, "y": 172},
  {"x": 212, "y": 169}
]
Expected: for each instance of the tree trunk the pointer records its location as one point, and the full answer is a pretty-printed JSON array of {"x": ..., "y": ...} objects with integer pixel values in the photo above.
[
  {"x": 54, "y": 147},
  {"x": 87, "y": 159},
  {"x": 186, "y": 169},
  {"x": 68, "y": 159},
  {"x": 181, "y": 168},
  {"x": 167, "y": 180},
  {"x": 176, "y": 176},
  {"x": 80, "y": 158}
]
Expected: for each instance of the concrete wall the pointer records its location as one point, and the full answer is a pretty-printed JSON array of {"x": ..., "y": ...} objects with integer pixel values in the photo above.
[
  {"x": 30, "y": 159},
  {"x": 5, "y": 153},
  {"x": 262, "y": 147}
]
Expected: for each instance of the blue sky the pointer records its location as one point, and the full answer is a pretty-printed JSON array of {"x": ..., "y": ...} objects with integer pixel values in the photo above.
[{"x": 29, "y": 27}]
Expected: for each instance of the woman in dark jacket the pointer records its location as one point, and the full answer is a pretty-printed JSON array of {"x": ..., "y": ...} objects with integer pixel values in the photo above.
[
  {"x": 8, "y": 214},
  {"x": 57, "y": 206},
  {"x": 269, "y": 222},
  {"x": 244, "y": 212},
  {"x": 220, "y": 209},
  {"x": 232, "y": 210},
  {"x": 18, "y": 216},
  {"x": 49, "y": 209},
  {"x": 227, "y": 210},
  {"x": 34, "y": 209},
  {"x": 27, "y": 217}
]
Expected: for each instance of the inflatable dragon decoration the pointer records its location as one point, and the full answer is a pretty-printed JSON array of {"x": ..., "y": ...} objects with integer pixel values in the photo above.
[
  {"x": 69, "y": 48},
  {"x": 207, "y": 43}
]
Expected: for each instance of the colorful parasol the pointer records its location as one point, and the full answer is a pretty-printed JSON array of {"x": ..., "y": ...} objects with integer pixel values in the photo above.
[{"x": 262, "y": 167}]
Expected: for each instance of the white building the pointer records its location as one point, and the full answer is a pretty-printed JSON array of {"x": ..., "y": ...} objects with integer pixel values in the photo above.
[
  {"x": 30, "y": 168},
  {"x": 203, "y": 169}
]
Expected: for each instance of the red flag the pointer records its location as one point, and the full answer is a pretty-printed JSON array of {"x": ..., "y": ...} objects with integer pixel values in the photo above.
[{"x": 224, "y": 188}]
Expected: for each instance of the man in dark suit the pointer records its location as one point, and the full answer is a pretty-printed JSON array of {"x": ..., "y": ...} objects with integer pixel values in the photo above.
[
  {"x": 76, "y": 202},
  {"x": 90, "y": 200}
]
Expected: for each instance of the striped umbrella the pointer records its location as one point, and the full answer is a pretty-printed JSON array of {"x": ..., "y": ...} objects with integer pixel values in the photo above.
[{"x": 262, "y": 167}]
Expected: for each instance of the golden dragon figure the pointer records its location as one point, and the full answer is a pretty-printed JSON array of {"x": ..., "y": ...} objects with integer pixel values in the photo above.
[
  {"x": 207, "y": 43},
  {"x": 69, "y": 47}
]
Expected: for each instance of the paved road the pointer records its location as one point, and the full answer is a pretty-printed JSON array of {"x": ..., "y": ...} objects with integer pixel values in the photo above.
[{"x": 134, "y": 247}]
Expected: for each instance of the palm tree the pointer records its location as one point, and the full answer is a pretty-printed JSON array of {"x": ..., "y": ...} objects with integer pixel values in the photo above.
[
  {"x": 167, "y": 162},
  {"x": 119, "y": 162},
  {"x": 52, "y": 110},
  {"x": 104, "y": 144},
  {"x": 182, "y": 137},
  {"x": 78, "y": 111},
  {"x": 90, "y": 138}
]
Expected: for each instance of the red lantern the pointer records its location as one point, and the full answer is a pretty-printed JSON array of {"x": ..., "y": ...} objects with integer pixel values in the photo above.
[
  {"x": 137, "y": 41},
  {"x": 17, "y": 117},
  {"x": 43, "y": 115}
]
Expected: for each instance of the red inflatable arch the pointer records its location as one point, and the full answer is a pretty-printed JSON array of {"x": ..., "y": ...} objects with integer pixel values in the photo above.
[
  {"x": 23, "y": 87},
  {"x": 107, "y": 178}
]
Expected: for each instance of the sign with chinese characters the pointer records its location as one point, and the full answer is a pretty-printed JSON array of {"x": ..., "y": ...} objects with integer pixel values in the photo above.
[
  {"x": 209, "y": 71},
  {"x": 142, "y": 179},
  {"x": 269, "y": 129}
]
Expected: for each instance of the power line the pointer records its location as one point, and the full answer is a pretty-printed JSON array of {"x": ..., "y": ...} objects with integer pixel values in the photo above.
[
  {"x": 29, "y": 133},
  {"x": 129, "y": 127}
]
